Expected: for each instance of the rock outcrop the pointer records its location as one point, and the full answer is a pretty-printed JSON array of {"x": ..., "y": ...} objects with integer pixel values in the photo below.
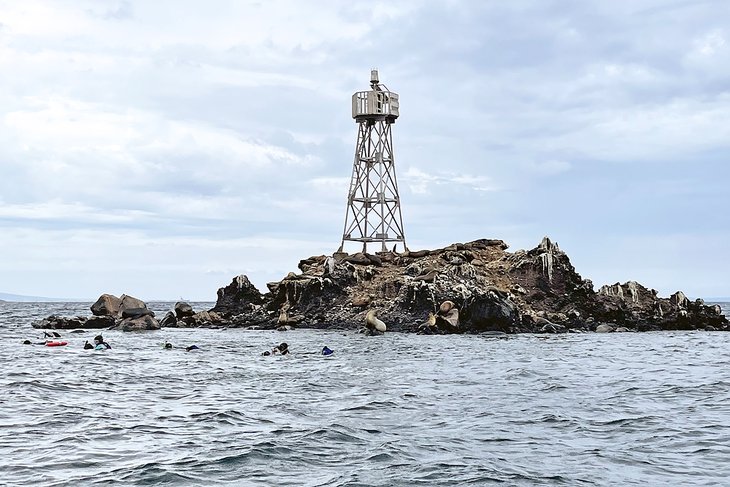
[
  {"x": 124, "y": 313},
  {"x": 183, "y": 310},
  {"x": 55, "y": 322},
  {"x": 474, "y": 287}
]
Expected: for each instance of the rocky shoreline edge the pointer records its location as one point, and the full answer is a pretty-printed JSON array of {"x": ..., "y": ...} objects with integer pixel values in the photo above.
[{"x": 475, "y": 287}]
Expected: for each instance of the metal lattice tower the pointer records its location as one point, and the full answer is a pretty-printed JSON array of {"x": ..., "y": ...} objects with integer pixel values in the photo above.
[{"x": 373, "y": 204}]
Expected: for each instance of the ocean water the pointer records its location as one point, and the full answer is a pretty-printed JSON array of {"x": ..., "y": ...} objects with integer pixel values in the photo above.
[{"x": 583, "y": 409}]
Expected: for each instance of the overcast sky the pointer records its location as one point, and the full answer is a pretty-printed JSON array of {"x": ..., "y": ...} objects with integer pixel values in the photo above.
[{"x": 160, "y": 148}]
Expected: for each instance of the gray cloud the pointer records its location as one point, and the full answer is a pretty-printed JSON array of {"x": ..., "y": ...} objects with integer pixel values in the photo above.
[{"x": 163, "y": 139}]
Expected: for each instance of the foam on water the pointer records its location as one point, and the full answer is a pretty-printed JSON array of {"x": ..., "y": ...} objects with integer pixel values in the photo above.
[{"x": 593, "y": 409}]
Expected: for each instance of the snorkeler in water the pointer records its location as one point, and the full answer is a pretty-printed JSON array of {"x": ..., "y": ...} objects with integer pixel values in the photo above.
[
  {"x": 281, "y": 349},
  {"x": 100, "y": 344}
]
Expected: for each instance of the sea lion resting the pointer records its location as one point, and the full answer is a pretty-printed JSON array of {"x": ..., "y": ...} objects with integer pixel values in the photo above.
[
  {"x": 372, "y": 324},
  {"x": 429, "y": 327},
  {"x": 447, "y": 317}
]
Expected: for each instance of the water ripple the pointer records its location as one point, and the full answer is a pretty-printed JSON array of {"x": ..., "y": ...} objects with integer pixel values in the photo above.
[{"x": 579, "y": 409}]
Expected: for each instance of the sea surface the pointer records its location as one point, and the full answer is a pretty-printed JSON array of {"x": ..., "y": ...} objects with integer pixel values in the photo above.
[{"x": 577, "y": 409}]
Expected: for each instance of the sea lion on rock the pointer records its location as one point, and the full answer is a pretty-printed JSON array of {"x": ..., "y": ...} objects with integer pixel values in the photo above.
[
  {"x": 373, "y": 323},
  {"x": 448, "y": 316},
  {"x": 429, "y": 327},
  {"x": 428, "y": 277},
  {"x": 360, "y": 301},
  {"x": 418, "y": 253},
  {"x": 285, "y": 320},
  {"x": 358, "y": 258}
]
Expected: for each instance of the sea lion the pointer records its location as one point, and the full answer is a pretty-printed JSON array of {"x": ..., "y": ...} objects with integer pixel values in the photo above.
[
  {"x": 372, "y": 322},
  {"x": 445, "y": 307},
  {"x": 360, "y": 301},
  {"x": 428, "y": 277},
  {"x": 431, "y": 321},
  {"x": 448, "y": 316},
  {"x": 418, "y": 253},
  {"x": 283, "y": 317},
  {"x": 429, "y": 327}
]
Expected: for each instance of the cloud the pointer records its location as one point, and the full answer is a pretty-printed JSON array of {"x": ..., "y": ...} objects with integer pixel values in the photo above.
[
  {"x": 551, "y": 167},
  {"x": 421, "y": 182},
  {"x": 125, "y": 130},
  {"x": 710, "y": 44}
]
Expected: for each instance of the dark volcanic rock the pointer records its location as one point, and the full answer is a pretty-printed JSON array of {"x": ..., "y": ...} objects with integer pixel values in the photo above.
[
  {"x": 169, "y": 320},
  {"x": 60, "y": 322},
  {"x": 202, "y": 318},
  {"x": 183, "y": 310},
  {"x": 97, "y": 322},
  {"x": 491, "y": 290},
  {"x": 239, "y": 296}
]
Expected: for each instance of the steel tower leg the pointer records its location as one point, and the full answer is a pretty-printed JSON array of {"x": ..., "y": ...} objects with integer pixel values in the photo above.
[{"x": 373, "y": 204}]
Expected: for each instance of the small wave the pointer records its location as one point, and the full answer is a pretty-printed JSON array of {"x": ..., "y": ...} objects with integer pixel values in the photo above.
[
  {"x": 380, "y": 457},
  {"x": 621, "y": 422},
  {"x": 545, "y": 418},
  {"x": 154, "y": 473},
  {"x": 35, "y": 384},
  {"x": 335, "y": 435},
  {"x": 372, "y": 405},
  {"x": 520, "y": 412},
  {"x": 496, "y": 440},
  {"x": 229, "y": 417}
]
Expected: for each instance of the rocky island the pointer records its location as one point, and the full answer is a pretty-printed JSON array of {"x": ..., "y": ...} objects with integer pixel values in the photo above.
[
  {"x": 474, "y": 287},
  {"x": 469, "y": 287}
]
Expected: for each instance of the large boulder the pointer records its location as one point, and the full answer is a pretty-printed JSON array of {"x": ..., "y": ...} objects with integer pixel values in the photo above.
[
  {"x": 204, "y": 318},
  {"x": 99, "y": 322},
  {"x": 491, "y": 311},
  {"x": 183, "y": 310},
  {"x": 169, "y": 320},
  {"x": 130, "y": 303},
  {"x": 140, "y": 323},
  {"x": 106, "y": 305}
]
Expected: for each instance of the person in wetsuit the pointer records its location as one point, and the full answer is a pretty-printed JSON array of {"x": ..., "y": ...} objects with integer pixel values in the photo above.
[
  {"x": 281, "y": 349},
  {"x": 100, "y": 344}
]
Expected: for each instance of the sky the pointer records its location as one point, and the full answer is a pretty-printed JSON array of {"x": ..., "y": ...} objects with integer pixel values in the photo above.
[{"x": 161, "y": 148}]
